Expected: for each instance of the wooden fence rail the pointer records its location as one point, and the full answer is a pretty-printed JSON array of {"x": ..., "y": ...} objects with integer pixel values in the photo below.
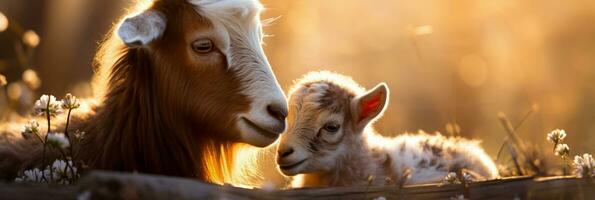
[{"x": 114, "y": 185}]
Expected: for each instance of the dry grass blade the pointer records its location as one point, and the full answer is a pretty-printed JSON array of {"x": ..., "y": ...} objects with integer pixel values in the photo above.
[
  {"x": 516, "y": 143},
  {"x": 511, "y": 131},
  {"x": 530, "y": 158},
  {"x": 533, "y": 109}
]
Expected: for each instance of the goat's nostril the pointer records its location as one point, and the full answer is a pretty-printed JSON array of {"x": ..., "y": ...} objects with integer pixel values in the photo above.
[
  {"x": 285, "y": 152},
  {"x": 278, "y": 112}
]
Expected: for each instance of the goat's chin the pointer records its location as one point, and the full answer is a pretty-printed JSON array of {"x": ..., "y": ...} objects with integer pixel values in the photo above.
[
  {"x": 255, "y": 137},
  {"x": 291, "y": 172},
  {"x": 293, "y": 169},
  {"x": 256, "y": 140}
]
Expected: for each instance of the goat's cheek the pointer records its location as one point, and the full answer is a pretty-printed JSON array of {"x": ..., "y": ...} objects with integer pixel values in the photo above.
[{"x": 209, "y": 60}]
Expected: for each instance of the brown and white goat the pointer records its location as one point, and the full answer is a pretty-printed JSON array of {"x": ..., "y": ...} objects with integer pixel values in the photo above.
[
  {"x": 178, "y": 85},
  {"x": 330, "y": 142}
]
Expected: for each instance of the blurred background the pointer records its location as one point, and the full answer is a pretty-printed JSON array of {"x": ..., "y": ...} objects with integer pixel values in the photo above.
[{"x": 449, "y": 64}]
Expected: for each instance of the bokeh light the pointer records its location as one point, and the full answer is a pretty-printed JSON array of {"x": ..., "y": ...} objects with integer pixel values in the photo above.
[
  {"x": 31, "y": 79},
  {"x": 30, "y": 38},
  {"x": 3, "y": 22}
]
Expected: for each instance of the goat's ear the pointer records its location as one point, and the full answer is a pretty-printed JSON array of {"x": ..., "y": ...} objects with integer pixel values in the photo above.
[
  {"x": 368, "y": 106},
  {"x": 142, "y": 29}
]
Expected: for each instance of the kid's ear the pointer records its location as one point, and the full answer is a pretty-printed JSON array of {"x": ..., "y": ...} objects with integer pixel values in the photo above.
[
  {"x": 142, "y": 29},
  {"x": 370, "y": 105}
]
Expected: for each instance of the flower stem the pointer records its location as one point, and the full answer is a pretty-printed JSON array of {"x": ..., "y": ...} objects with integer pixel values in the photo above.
[
  {"x": 68, "y": 166},
  {"x": 66, "y": 132},
  {"x": 43, "y": 163},
  {"x": 71, "y": 143},
  {"x": 39, "y": 138},
  {"x": 565, "y": 169}
]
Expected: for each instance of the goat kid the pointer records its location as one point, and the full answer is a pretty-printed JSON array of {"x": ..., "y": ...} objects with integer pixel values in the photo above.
[{"x": 330, "y": 140}]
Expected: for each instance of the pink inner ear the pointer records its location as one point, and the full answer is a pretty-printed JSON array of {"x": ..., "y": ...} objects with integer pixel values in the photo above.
[{"x": 369, "y": 106}]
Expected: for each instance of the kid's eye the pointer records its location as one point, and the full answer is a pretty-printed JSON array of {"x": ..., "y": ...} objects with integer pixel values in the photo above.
[{"x": 331, "y": 127}]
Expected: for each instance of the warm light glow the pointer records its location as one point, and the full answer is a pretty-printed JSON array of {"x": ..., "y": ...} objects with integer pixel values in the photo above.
[
  {"x": 31, "y": 79},
  {"x": 246, "y": 170},
  {"x": 424, "y": 30},
  {"x": 3, "y": 22},
  {"x": 30, "y": 38},
  {"x": 473, "y": 70},
  {"x": 140, "y": 6},
  {"x": 14, "y": 91},
  {"x": 237, "y": 165},
  {"x": 3, "y": 81},
  {"x": 443, "y": 61}
]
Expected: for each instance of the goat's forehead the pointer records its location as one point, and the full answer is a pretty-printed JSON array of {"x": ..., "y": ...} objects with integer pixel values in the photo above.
[
  {"x": 321, "y": 96},
  {"x": 230, "y": 12}
]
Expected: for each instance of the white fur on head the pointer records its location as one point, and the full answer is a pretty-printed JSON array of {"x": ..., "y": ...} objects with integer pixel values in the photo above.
[
  {"x": 240, "y": 21},
  {"x": 143, "y": 28}
]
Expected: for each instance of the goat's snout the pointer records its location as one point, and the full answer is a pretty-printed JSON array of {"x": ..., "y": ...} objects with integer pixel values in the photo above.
[
  {"x": 278, "y": 112},
  {"x": 285, "y": 152}
]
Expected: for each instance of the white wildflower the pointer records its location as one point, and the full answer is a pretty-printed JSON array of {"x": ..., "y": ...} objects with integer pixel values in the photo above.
[
  {"x": 584, "y": 166},
  {"x": 63, "y": 170},
  {"x": 30, "y": 128},
  {"x": 47, "y": 103},
  {"x": 60, "y": 173},
  {"x": 451, "y": 178},
  {"x": 59, "y": 165},
  {"x": 556, "y": 136},
  {"x": 468, "y": 177},
  {"x": 57, "y": 140},
  {"x": 32, "y": 175},
  {"x": 380, "y": 198},
  {"x": 562, "y": 150},
  {"x": 80, "y": 135},
  {"x": 53, "y": 176},
  {"x": 70, "y": 102}
]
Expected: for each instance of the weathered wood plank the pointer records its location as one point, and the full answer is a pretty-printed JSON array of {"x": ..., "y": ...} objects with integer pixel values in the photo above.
[
  {"x": 114, "y": 185},
  {"x": 36, "y": 191}
]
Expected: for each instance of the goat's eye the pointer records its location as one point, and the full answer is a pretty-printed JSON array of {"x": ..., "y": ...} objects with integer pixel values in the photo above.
[
  {"x": 202, "y": 46},
  {"x": 331, "y": 127}
]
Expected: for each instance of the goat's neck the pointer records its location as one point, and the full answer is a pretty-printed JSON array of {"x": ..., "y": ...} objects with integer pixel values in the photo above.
[
  {"x": 132, "y": 130},
  {"x": 361, "y": 165}
]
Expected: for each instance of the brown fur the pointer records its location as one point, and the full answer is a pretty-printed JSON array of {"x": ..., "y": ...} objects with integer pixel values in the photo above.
[{"x": 163, "y": 111}]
